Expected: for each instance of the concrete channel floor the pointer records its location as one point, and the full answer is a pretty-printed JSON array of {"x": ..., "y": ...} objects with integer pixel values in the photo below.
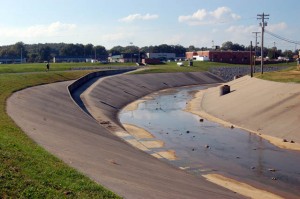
[{"x": 49, "y": 116}]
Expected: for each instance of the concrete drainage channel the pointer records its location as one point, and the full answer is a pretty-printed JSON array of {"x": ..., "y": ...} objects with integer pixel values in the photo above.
[
  {"x": 126, "y": 136},
  {"x": 202, "y": 147}
]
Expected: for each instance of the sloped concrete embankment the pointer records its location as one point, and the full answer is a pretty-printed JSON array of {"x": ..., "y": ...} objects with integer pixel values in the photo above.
[
  {"x": 49, "y": 116},
  {"x": 108, "y": 96},
  {"x": 265, "y": 107}
]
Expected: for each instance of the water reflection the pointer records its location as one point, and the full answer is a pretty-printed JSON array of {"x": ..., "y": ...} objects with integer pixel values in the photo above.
[{"x": 203, "y": 147}]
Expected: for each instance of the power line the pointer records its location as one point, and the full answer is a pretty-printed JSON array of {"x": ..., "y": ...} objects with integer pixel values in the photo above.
[{"x": 282, "y": 38}]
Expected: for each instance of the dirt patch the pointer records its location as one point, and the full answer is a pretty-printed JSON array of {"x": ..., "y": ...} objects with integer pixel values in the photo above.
[
  {"x": 239, "y": 187},
  {"x": 137, "y": 132}
]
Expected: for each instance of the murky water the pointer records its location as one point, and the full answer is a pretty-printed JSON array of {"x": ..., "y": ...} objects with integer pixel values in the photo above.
[{"x": 207, "y": 147}]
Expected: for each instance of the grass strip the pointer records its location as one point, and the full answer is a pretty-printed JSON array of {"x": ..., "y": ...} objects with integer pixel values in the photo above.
[
  {"x": 26, "y": 169},
  {"x": 292, "y": 74},
  {"x": 198, "y": 66},
  {"x": 40, "y": 67}
]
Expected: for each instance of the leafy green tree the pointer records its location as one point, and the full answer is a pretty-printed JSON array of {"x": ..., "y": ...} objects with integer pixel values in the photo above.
[
  {"x": 131, "y": 49},
  {"x": 231, "y": 46},
  {"x": 179, "y": 50},
  {"x": 192, "y": 48},
  {"x": 89, "y": 50},
  {"x": 116, "y": 50},
  {"x": 45, "y": 54},
  {"x": 100, "y": 52},
  {"x": 72, "y": 50},
  {"x": 288, "y": 53},
  {"x": 227, "y": 45}
]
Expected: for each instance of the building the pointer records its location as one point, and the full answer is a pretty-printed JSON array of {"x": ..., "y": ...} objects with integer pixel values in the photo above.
[
  {"x": 200, "y": 58},
  {"x": 234, "y": 57},
  {"x": 161, "y": 56},
  {"x": 61, "y": 59},
  {"x": 124, "y": 58},
  {"x": 12, "y": 60}
]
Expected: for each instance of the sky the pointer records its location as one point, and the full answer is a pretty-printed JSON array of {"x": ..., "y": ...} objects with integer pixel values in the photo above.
[{"x": 202, "y": 23}]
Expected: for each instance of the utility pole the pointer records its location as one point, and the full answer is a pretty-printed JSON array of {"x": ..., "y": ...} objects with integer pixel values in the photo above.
[
  {"x": 255, "y": 53},
  {"x": 274, "y": 50},
  {"x": 251, "y": 62},
  {"x": 21, "y": 56},
  {"x": 263, "y": 17}
]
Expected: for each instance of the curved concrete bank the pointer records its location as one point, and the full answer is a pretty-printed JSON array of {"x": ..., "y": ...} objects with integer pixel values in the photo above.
[
  {"x": 270, "y": 109},
  {"x": 108, "y": 96},
  {"x": 50, "y": 117}
]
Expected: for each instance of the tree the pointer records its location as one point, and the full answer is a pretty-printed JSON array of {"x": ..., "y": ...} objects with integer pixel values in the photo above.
[
  {"x": 131, "y": 49},
  {"x": 100, "y": 52},
  {"x": 227, "y": 45},
  {"x": 192, "y": 48},
  {"x": 116, "y": 50},
  {"x": 45, "y": 54},
  {"x": 231, "y": 46},
  {"x": 288, "y": 53},
  {"x": 88, "y": 50},
  {"x": 179, "y": 50},
  {"x": 19, "y": 49},
  {"x": 72, "y": 50}
]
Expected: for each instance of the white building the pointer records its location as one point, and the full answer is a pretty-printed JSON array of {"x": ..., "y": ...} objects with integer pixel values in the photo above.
[{"x": 200, "y": 58}]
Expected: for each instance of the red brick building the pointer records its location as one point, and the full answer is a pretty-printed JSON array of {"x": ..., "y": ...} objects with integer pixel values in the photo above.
[{"x": 235, "y": 57}]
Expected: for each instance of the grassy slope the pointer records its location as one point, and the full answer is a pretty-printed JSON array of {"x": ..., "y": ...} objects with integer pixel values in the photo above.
[
  {"x": 289, "y": 75},
  {"x": 39, "y": 67},
  {"x": 197, "y": 67},
  {"x": 27, "y": 170},
  {"x": 172, "y": 67}
]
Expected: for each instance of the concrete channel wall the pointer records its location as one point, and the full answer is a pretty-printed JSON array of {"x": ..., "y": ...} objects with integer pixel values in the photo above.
[
  {"x": 50, "y": 117},
  {"x": 78, "y": 83}
]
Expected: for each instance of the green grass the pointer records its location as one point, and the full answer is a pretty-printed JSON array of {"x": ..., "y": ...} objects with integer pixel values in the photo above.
[
  {"x": 292, "y": 74},
  {"x": 172, "y": 67},
  {"x": 39, "y": 67},
  {"x": 198, "y": 66},
  {"x": 26, "y": 169}
]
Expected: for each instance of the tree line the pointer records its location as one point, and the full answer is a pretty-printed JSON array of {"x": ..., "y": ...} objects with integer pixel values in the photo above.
[{"x": 46, "y": 52}]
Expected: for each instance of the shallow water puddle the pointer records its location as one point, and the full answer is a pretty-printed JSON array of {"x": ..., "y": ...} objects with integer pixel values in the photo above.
[{"x": 204, "y": 147}]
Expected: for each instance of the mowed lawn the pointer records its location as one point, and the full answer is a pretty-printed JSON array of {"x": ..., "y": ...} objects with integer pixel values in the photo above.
[
  {"x": 26, "y": 169},
  {"x": 291, "y": 74},
  {"x": 40, "y": 67}
]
